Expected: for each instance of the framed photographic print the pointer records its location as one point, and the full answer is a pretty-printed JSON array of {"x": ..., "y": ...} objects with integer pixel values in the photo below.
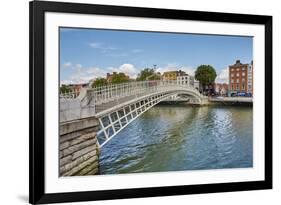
[{"x": 140, "y": 102}]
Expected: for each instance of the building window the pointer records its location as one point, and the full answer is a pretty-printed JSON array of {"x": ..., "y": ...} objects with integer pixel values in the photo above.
[
  {"x": 237, "y": 69},
  {"x": 237, "y": 74},
  {"x": 243, "y": 86},
  {"x": 232, "y": 80},
  {"x": 237, "y": 87},
  {"x": 243, "y": 80},
  {"x": 232, "y": 87},
  {"x": 237, "y": 80},
  {"x": 243, "y": 68},
  {"x": 243, "y": 74}
]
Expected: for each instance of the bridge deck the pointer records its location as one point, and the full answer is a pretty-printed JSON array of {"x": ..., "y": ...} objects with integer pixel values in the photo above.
[
  {"x": 113, "y": 103},
  {"x": 115, "y": 106}
]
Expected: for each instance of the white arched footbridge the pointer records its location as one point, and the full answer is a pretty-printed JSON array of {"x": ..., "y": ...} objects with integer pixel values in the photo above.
[{"x": 116, "y": 106}]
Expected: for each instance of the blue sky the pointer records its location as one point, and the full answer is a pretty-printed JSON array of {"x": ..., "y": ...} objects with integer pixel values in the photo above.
[{"x": 89, "y": 53}]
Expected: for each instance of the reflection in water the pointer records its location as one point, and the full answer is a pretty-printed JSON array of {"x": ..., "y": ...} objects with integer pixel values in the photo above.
[{"x": 174, "y": 138}]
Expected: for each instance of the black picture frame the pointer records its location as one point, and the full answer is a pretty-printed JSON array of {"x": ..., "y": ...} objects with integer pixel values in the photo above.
[{"x": 37, "y": 194}]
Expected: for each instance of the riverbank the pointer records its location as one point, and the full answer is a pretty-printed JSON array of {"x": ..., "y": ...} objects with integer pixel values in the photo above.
[
  {"x": 248, "y": 101},
  {"x": 231, "y": 99}
]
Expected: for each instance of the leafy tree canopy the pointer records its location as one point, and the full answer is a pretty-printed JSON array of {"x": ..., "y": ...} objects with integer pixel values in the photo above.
[
  {"x": 119, "y": 78},
  {"x": 65, "y": 89},
  {"x": 147, "y": 74},
  {"x": 99, "y": 82},
  {"x": 205, "y": 74}
]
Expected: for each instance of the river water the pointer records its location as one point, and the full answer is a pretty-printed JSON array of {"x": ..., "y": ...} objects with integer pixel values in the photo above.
[{"x": 182, "y": 137}]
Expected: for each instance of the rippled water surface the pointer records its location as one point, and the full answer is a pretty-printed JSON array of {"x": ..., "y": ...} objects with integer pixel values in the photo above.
[{"x": 174, "y": 138}]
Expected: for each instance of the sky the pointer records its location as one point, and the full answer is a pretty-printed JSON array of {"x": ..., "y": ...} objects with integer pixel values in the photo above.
[{"x": 86, "y": 54}]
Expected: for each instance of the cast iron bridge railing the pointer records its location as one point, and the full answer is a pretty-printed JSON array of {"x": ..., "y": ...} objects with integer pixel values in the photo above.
[{"x": 118, "y": 105}]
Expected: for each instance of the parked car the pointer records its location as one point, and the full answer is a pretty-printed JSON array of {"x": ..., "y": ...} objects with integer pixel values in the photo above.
[{"x": 241, "y": 94}]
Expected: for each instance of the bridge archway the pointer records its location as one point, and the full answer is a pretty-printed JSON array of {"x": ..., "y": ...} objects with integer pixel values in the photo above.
[{"x": 113, "y": 120}]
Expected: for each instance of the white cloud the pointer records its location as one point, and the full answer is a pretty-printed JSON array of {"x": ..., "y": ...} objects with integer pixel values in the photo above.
[
  {"x": 84, "y": 75},
  {"x": 78, "y": 66},
  {"x": 112, "y": 51},
  {"x": 222, "y": 77},
  {"x": 126, "y": 68},
  {"x": 117, "y": 54},
  {"x": 67, "y": 65},
  {"x": 66, "y": 82},
  {"x": 111, "y": 48},
  {"x": 137, "y": 50},
  {"x": 95, "y": 45},
  {"x": 96, "y": 72},
  {"x": 102, "y": 47},
  {"x": 71, "y": 65}
]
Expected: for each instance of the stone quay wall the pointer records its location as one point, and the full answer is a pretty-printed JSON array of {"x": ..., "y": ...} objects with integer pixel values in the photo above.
[{"x": 78, "y": 147}]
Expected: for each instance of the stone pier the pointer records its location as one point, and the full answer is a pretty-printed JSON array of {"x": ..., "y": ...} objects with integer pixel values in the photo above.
[{"x": 78, "y": 147}]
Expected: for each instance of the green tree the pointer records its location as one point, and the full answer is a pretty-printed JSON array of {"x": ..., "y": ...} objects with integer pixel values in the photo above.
[
  {"x": 65, "y": 89},
  {"x": 99, "y": 82},
  {"x": 206, "y": 75},
  {"x": 119, "y": 78},
  {"x": 148, "y": 74}
]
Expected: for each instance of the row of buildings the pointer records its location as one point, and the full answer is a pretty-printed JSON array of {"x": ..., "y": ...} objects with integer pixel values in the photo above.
[
  {"x": 240, "y": 80},
  {"x": 181, "y": 77}
]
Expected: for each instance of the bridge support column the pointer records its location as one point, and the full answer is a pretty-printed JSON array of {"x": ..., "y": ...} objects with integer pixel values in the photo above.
[{"x": 78, "y": 147}]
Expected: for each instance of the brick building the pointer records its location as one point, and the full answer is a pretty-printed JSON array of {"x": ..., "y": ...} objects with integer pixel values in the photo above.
[{"x": 240, "y": 78}]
